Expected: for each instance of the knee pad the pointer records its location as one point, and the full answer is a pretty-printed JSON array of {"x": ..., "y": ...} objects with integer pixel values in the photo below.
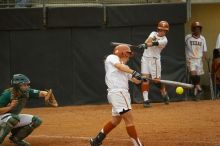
[
  {"x": 6, "y": 127},
  {"x": 14, "y": 120},
  {"x": 21, "y": 132},
  {"x": 144, "y": 86},
  {"x": 36, "y": 122}
]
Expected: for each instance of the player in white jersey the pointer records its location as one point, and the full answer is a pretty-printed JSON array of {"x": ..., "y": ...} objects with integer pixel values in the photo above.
[
  {"x": 150, "y": 62},
  {"x": 195, "y": 46},
  {"x": 117, "y": 76}
]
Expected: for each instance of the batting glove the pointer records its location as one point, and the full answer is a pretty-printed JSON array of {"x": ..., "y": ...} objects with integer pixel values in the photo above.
[
  {"x": 142, "y": 46},
  {"x": 136, "y": 75}
]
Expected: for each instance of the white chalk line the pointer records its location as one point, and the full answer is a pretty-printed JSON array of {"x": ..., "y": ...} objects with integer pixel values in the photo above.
[{"x": 122, "y": 139}]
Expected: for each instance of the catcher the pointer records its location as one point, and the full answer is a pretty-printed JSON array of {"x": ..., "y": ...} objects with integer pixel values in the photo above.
[{"x": 12, "y": 101}]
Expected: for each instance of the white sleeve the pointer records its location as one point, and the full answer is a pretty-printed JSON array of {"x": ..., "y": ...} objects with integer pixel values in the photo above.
[
  {"x": 218, "y": 42},
  {"x": 204, "y": 46},
  {"x": 186, "y": 38},
  {"x": 113, "y": 59},
  {"x": 163, "y": 42},
  {"x": 152, "y": 34},
  {"x": 129, "y": 76}
]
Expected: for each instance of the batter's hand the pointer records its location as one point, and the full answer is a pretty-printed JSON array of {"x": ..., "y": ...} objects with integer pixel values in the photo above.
[
  {"x": 136, "y": 75},
  {"x": 142, "y": 46}
]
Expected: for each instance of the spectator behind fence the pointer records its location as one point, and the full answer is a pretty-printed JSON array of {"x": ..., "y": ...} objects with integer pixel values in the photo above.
[{"x": 22, "y": 3}]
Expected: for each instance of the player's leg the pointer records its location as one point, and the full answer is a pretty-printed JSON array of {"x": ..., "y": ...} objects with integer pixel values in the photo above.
[
  {"x": 145, "y": 84},
  {"x": 156, "y": 74},
  {"x": 24, "y": 128},
  {"x": 195, "y": 80},
  {"x": 196, "y": 69},
  {"x": 7, "y": 122},
  {"x": 199, "y": 72},
  {"x": 97, "y": 141},
  {"x": 119, "y": 103},
  {"x": 164, "y": 94},
  {"x": 191, "y": 63},
  {"x": 145, "y": 90},
  {"x": 130, "y": 127}
]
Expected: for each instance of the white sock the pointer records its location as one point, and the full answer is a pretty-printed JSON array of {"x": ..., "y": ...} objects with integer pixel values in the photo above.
[
  {"x": 145, "y": 95},
  {"x": 195, "y": 91},
  {"x": 136, "y": 143},
  {"x": 199, "y": 87}
]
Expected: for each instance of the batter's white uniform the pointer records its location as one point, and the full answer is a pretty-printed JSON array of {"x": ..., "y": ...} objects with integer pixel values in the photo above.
[
  {"x": 150, "y": 62},
  {"x": 195, "y": 47},
  {"x": 218, "y": 42},
  {"x": 117, "y": 82}
]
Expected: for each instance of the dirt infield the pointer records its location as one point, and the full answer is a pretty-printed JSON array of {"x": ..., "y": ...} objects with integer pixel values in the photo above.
[{"x": 178, "y": 124}]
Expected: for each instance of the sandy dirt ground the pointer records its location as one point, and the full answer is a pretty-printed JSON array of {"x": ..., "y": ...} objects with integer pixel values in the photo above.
[{"x": 178, "y": 124}]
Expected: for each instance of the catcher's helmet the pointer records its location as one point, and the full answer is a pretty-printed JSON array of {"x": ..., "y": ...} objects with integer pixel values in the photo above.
[
  {"x": 163, "y": 25},
  {"x": 19, "y": 79},
  {"x": 123, "y": 51}
]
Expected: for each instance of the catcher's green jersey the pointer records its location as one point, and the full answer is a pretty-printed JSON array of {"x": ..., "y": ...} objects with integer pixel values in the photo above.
[{"x": 7, "y": 95}]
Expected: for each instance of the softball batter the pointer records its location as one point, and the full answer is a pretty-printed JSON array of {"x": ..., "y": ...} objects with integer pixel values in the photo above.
[
  {"x": 117, "y": 76},
  {"x": 150, "y": 62}
]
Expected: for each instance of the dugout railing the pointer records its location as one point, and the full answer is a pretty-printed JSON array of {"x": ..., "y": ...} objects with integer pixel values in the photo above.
[{"x": 59, "y": 3}]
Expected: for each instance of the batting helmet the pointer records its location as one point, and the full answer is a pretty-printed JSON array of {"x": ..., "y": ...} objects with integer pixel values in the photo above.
[
  {"x": 163, "y": 25},
  {"x": 19, "y": 79},
  {"x": 196, "y": 24},
  {"x": 123, "y": 51}
]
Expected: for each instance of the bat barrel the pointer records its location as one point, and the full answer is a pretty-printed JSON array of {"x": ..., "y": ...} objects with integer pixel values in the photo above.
[{"x": 175, "y": 83}]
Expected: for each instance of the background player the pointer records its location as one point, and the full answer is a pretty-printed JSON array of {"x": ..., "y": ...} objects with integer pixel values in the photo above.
[
  {"x": 195, "y": 51},
  {"x": 117, "y": 76},
  {"x": 150, "y": 62},
  {"x": 12, "y": 101}
]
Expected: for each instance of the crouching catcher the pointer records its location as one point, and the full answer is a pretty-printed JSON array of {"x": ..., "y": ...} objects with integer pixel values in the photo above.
[{"x": 12, "y": 101}]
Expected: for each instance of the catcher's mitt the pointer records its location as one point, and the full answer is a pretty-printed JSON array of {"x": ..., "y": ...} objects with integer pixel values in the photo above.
[{"x": 50, "y": 99}]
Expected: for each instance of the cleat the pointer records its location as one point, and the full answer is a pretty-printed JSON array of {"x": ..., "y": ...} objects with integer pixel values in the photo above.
[
  {"x": 93, "y": 142},
  {"x": 166, "y": 99},
  {"x": 97, "y": 141},
  {"x": 18, "y": 142},
  {"x": 194, "y": 98},
  {"x": 198, "y": 95},
  {"x": 146, "y": 104}
]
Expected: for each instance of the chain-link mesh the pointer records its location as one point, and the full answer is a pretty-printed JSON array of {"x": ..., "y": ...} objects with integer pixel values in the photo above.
[{"x": 41, "y": 3}]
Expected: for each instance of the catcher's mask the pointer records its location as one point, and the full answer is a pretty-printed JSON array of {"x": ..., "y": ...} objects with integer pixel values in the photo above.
[{"x": 19, "y": 79}]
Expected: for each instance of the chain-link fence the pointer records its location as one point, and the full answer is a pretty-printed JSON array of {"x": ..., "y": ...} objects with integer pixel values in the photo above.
[{"x": 42, "y": 3}]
